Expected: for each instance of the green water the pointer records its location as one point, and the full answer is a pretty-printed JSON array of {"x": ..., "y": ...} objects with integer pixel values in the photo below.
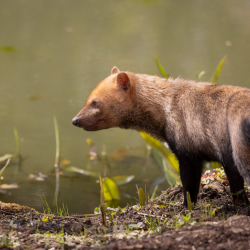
[{"x": 62, "y": 49}]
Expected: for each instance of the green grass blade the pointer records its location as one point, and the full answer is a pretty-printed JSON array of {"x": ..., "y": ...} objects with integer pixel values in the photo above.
[
  {"x": 58, "y": 148},
  {"x": 154, "y": 193},
  {"x": 4, "y": 167},
  {"x": 189, "y": 202},
  {"x": 18, "y": 151},
  {"x": 57, "y": 186},
  {"x": 141, "y": 197},
  {"x": 46, "y": 208},
  {"x": 163, "y": 72},
  {"x": 199, "y": 76},
  {"x": 216, "y": 74},
  {"x": 101, "y": 191}
]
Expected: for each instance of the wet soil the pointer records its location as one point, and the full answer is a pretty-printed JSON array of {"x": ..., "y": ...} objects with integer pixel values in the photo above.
[{"x": 215, "y": 223}]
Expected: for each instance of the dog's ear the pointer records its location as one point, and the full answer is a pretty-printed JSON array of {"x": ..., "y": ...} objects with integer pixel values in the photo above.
[
  {"x": 123, "y": 81},
  {"x": 114, "y": 70}
]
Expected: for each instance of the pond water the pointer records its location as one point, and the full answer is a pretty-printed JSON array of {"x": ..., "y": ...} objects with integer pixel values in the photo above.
[{"x": 57, "y": 53}]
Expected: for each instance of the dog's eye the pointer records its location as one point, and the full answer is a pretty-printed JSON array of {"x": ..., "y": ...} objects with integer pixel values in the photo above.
[{"x": 96, "y": 103}]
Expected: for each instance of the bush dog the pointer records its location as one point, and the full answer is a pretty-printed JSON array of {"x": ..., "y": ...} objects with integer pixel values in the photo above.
[{"x": 200, "y": 122}]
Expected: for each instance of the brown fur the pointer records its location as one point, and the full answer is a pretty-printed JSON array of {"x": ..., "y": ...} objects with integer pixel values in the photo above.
[{"x": 199, "y": 121}]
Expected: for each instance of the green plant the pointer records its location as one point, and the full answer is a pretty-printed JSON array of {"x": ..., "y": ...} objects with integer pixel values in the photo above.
[
  {"x": 175, "y": 222},
  {"x": 57, "y": 159},
  {"x": 209, "y": 208},
  {"x": 18, "y": 150},
  {"x": 154, "y": 226},
  {"x": 217, "y": 71},
  {"x": 165, "y": 221},
  {"x": 163, "y": 72},
  {"x": 4, "y": 167},
  {"x": 141, "y": 197},
  {"x": 58, "y": 144},
  {"x": 187, "y": 217},
  {"x": 198, "y": 76},
  {"x": 154, "y": 192},
  {"x": 5, "y": 241},
  {"x": 164, "y": 157},
  {"x": 59, "y": 211},
  {"x": 189, "y": 202},
  {"x": 103, "y": 205},
  {"x": 127, "y": 228},
  {"x": 110, "y": 190}
]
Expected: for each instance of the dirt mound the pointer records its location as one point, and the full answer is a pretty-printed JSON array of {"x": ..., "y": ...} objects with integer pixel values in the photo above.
[{"x": 215, "y": 223}]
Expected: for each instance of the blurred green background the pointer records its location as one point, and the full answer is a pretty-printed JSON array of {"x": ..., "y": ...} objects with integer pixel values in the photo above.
[{"x": 52, "y": 55}]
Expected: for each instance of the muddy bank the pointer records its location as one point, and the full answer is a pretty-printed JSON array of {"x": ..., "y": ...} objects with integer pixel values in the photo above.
[{"x": 215, "y": 223}]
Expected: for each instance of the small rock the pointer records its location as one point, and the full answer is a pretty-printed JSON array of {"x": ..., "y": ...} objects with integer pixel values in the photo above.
[
  {"x": 237, "y": 230},
  {"x": 179, "y": 238}
]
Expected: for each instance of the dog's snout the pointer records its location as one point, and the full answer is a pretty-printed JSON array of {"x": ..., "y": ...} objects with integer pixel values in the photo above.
[{"x": 75, "y": 121}]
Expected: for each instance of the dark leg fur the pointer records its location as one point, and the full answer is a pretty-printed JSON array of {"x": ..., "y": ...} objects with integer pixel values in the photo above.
[
  {"x": 236, "y": 185},
  {"x": 190, "y": 172}
]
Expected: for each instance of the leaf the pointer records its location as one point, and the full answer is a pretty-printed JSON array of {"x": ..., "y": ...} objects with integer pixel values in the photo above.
[
  {"x": 81, "y": 171},
  {"x": 6, "y": 157},
  {"x": 123, "y": 179},
  {"x": 154, "y": 143},
  {"x": 168, "y": 160},
  {"x": 110, "y": 190},
  {"x": 216, "y": 74},
  {"x": 198, "y": 78},
  {"x": 4, "y": 167},
  {"x": 163, "y": 72},
  {"x": 141, "y": 197},
  {"x": 97, "y": 210},
  {"x": 171, "y": 176},
  {"x": 112, "y": 203},
  {"x": 173, "y": 162},
  {"x": 216, "y": 164},
  {"x": 166, "y": 152}
]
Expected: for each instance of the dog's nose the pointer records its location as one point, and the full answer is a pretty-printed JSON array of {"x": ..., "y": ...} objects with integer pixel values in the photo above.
[{"x": 75, "y": 121}]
